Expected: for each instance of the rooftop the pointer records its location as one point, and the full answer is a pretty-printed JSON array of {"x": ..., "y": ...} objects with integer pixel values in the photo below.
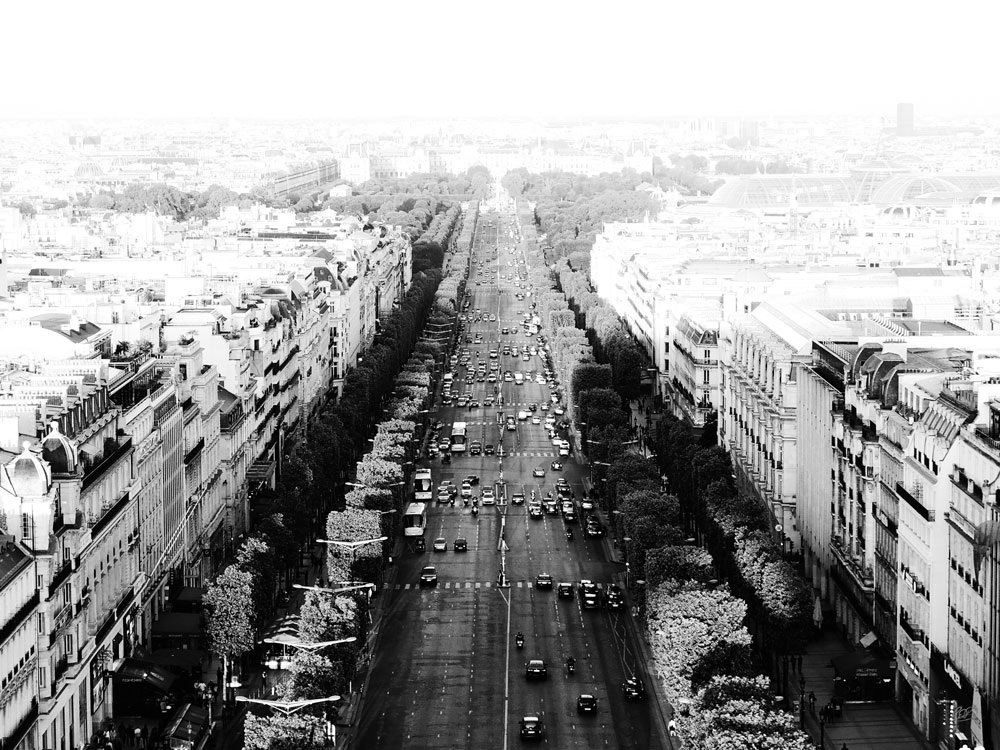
[{"x": 12, "y": 560}]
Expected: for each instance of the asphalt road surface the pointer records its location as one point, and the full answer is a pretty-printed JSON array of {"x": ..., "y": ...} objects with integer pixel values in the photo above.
[{"x": 448, "y": 673}]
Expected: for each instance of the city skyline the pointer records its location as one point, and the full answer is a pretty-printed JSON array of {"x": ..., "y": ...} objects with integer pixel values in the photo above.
[{"x": 549, "y": 61}]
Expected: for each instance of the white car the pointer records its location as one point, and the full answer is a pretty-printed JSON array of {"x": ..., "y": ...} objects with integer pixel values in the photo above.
[
  {"x": 536, "y": 420},
  {"x": 488, "y": 498}
]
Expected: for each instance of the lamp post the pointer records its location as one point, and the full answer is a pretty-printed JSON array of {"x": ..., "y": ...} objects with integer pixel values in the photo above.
[
  {"x": 802, "y": 702},
  {"x": 625, "y": 542},
  {"x": 351, "y": 586},
  {"x": 287, "y": 707}
]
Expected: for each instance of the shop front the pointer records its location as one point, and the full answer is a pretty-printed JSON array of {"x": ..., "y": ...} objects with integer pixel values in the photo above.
[
  {"x": 958, "y": 708},
  {"x": 862, "y": 677}
]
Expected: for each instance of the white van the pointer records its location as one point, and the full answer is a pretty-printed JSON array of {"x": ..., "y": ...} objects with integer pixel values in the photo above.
[{"x": 518, "y": 378}]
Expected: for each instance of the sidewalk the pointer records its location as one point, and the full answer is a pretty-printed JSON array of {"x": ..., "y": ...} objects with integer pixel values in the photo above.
[
  {"x": 662, "y": 712},
  {"x": 862, "y": 726},
  {"x": 350, "y": 707}
]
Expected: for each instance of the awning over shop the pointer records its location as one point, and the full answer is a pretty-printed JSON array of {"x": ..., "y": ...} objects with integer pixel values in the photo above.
[
  {"x": 178, "y": 658},
  {"x": 190, "y": 594},
  {"x": 187, "y": 727},
  {"x": 861, "y": 664},
  {"x": 133, "y": 670},
  {"x": 177, "y": 623}
]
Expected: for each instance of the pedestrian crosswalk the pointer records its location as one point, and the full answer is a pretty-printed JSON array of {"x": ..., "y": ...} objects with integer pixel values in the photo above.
[
  {"x": 470, "y": 585},
  {"x": 524, "y": 454}
]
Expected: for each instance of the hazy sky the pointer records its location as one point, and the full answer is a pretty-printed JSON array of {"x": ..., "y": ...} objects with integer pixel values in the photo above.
[{"x": 300, "y": 58}]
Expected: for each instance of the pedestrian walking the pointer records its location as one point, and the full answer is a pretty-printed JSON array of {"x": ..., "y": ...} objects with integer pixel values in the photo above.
[
  {"x": 144, "y": 737},
  {"x": 812, "y": 702},
  {"x": 137, "y": 736}
]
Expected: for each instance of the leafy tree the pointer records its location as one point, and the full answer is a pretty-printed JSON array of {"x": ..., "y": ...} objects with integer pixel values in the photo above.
[
  {"x": 314, "y": 675},
  {"x": 300, "y": 731},
  {"x": 590, "y": 376},
  {"x": 229, "y": 610},
  {"x": 370, "y": 498},
  {"x": 230, "y": 617},
  {"x": 256, "y": 558},
  {"x": 374, "y": 472},
  {"x": 281, "y": 539},
  {"x": 678, "y": 563},
  {"x": 27, "y": 209}
]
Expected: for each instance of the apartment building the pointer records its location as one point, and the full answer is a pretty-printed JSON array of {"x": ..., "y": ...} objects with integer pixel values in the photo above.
[
  {"x": 126, "y": 471},
  {"x": 695, "y": 372},
  {"x": 897, "y": 433},
  {"x": 68, "y": 490},
  {"x": 19, "y": 598}
]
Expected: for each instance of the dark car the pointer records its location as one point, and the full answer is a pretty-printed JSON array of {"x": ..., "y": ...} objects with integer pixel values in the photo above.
[
  {"x": 536, "y": 670},
  {"x": 472, "y": 479},
  {"x": 476, "y": 448},
  {"x": 489, "y": 450},
  {"x": 281, "y": 600},
  {"x": 532, "y": 728},
  {"x": 633, "y": 689},
  {"x": 614, "y": 597},
  {"x": 461, "y": 544},
  {"x": 586, "y": 704},
  {"x": 565, "y": 590},
  {"x": 594, "y": 528},
  {"x": 428, "y": 576},
  {"x": 543, "y": 581}
]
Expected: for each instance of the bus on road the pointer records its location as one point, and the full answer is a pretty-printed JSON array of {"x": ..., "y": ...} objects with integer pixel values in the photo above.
[
  {"x": 423, "y": 486},
  {"x": 458, "y": 437},
  {"x": 414, "y": 524}
]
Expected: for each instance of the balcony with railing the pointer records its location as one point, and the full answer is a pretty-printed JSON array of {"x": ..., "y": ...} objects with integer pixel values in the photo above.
[
  {"x": 59, "y": 576},
  {"x": 123, "y": 446}
]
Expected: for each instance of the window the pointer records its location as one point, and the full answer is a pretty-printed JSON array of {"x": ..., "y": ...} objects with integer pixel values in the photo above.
[
  {"x": 26, "y": 527},
  {"x": 706, "y": 377}
]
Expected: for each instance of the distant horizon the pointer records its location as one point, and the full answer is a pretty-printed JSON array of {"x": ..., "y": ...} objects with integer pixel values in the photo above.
[
  {"x": 112, "y": 59},
  {"x": 920, "y": 118}
]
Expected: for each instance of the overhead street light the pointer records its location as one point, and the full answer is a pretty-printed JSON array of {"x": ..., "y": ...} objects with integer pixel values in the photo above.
[
  {"x": 340, "y": 590},
  {"x": 352, "y": 545},
  {"x": 287, "y": 707},
  {"x": 308, "y": 646}
]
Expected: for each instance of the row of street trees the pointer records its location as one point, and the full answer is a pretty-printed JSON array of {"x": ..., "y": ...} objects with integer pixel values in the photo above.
[
  {"x": 241, "y": 599},
  {"x": 572, "y": 208},
  {"x": 708, "y": 659}
]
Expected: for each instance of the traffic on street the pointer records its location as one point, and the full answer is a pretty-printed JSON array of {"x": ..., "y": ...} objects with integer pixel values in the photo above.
[{"x": 507, "y": 620}]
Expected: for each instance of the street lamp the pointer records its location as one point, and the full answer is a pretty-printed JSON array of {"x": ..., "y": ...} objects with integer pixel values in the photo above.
[
  {"x": 287, "y": 707},
  {"x": 340, "y": 590},
  {"x": 306, "y": 646},
  {"x": 352, "y": 545},
  {"x": 802, "y": 701}
]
